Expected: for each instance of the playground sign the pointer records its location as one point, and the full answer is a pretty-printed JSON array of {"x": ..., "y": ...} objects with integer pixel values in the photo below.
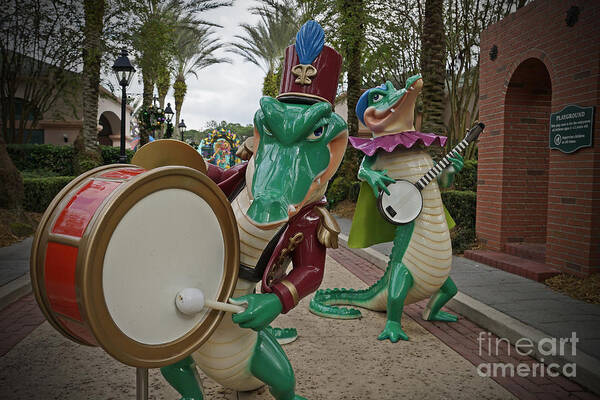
[{"x": 571, "y": 128}]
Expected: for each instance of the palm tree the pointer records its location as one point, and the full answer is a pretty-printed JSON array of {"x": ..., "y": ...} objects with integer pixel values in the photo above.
[
  {"x": 433, "y": 67},
  {"x": 352, "y": 35},
  {"x": 163, "y": 83},
  {"x": 93, "y": 47},
  {"x": 154, "y": 36},
  {"x": 195, "y": 51},
  {"x": 264, "y": 44}
]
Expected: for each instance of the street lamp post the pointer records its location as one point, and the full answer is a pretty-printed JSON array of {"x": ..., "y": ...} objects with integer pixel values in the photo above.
[
  {"x": 182, "y": 127},
  {"x": 169, "y": 116},
  {"x": 124, "y": 72}
]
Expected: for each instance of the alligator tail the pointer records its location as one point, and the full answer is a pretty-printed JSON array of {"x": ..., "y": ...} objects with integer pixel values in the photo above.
[{"x": 324, "y": 302}]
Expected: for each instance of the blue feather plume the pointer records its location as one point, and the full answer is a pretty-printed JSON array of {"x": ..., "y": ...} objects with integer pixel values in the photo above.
[{"x": 309, "y": 42}]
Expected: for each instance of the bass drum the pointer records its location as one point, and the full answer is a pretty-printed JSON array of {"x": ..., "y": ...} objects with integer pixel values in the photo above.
[{"x": 116, "y": 246}]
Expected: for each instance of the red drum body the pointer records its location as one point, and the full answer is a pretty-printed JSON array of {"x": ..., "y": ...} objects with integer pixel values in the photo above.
[{"x": 117, "y": 244}]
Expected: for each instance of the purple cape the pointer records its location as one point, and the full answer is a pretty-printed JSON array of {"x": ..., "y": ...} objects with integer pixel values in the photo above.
[{"x": 390, "y": 142}]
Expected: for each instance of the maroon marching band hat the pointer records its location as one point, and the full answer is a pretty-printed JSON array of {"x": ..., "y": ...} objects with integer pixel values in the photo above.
[{"x": 311, "y": 70}]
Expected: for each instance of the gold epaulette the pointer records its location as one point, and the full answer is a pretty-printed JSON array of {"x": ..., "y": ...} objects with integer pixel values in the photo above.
[{"x": 328, "y": 229}]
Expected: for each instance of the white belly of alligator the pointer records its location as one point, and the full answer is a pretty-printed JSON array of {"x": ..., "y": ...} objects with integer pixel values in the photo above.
[
  {"x": 225, "y": 357},
  {"x": 429, "y": 253}
]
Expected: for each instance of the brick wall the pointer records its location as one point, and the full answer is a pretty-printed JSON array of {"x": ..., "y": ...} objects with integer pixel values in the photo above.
[{"x": 525, "y": 191}]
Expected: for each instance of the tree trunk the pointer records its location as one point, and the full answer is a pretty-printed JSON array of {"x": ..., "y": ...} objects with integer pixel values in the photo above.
[
  {"x": 179, "y": 90},
  {"x": 352, "y": 31},
  {"x": 92, "y": 58},
  {"x": 163, "y": 83},
  {"x": 270, "y": 85},
  {"x": 146, "y": 103},
  {"x": 433, "y": 69},
  {"x": 11, "y": 182}
]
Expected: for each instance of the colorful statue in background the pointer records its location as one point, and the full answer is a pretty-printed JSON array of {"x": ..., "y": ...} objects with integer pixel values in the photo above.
[
  {"x": 278, "y": 200},
  {"x": 222, "y": 154},
  {"x": 420, "y": 261},
  {"x": 220, "y": 147}
]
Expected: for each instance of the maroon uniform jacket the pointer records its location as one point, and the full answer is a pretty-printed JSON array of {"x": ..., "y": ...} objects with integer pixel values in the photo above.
[{"x": 298, "y": 242}]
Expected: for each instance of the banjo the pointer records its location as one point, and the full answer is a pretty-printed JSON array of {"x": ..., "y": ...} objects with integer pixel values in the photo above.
[{"x": 405, "y": 201}]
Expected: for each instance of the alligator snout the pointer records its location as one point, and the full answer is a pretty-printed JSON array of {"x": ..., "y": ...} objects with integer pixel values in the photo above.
[{"x": 268, "y": 209}]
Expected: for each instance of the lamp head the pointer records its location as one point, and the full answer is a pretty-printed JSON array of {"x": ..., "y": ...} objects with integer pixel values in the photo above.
[
  {"x": 123, "y": 69},
  {"x": 169, "y": 112},
  {"x": 182, "y": 126}
]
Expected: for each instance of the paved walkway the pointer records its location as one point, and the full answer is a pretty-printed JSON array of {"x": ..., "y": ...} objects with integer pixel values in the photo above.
[
  {"x": 463, "y": 337},
  {"x": 14, "y": 261},
  {"x": 523, "y": 299},
  {"x": 332, "y": 359}
]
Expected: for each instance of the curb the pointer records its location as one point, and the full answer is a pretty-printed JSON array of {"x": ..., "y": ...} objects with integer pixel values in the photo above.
[
  {"x": 505, "y": 326},
  {"x": 14, "y": 290}
]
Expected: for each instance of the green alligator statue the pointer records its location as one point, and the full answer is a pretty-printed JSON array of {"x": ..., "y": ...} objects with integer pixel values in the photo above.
[
  {"x": 278, "y": 201},
  {"x": 419, "y": 265}
]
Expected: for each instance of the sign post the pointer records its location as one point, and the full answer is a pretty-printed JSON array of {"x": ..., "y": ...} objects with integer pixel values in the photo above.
[{"x": 571, "y": 128}]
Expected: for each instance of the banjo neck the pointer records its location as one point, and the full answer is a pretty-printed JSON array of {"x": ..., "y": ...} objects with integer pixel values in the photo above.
[{"x": 472, "y": 135}]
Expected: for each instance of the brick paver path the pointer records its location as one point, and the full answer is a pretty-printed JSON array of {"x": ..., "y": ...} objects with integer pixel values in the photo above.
[
  {"x": 21, "y": 317},
  {"x": 462, "y": 337},
  {"x": 17, "y": 321}
]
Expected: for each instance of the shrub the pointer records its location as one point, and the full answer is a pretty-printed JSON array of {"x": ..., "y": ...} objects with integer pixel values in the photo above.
[
  {"x": 353, "y": 191},
  {"x": 338, "y": 190},
  {"x": 31, "y": 157},
  {"x": 52, "y": 160},
  {"x": 110, "y": 155},
  {"x": 38, "y": 173},
  {"x": 350, "y": 164},
  {"x": 85, "y": 163},
  {"x": 467, "y": 178},
  {"x": 462, "y": 207},
  {"x": 39, "y": 192},
  {"x": 21, "y": 229}
]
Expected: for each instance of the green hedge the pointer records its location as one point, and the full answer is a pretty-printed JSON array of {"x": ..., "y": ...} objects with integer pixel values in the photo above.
[
  {"x": 337, "y": 190},
  {"x": 462, "y": 207},
  {"x": 58, "y": 160},
  {"x": 341, "y": 189},
  {"x": 353, "y": 191},
  {"x": 110, "y": 155},
  {"x": 467, "y": 178},
  {"x": 47, "y": 168},
  {"x": 31, "y": 157},
  {"x": 39, "y": 192}
]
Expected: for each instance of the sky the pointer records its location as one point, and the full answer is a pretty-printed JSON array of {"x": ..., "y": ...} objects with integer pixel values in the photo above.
[{"x": 227, "y": 92}]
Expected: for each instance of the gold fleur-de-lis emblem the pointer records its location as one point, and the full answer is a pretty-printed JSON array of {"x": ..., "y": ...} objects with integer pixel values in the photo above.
[{"x": 304, "y": 73}]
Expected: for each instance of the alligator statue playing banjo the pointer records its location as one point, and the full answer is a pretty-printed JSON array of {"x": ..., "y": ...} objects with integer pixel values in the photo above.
[
  {"x": 411, "y": 214},
  {"x": 278, "y": 201}
]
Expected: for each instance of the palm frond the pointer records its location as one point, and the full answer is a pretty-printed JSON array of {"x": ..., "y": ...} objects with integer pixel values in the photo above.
[
  {"x": 196, "y": 49},
  {"x": 263, "y": 44}
]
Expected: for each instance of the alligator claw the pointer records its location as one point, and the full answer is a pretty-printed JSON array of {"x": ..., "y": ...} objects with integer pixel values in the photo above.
[{"x": 393, "y": 331}]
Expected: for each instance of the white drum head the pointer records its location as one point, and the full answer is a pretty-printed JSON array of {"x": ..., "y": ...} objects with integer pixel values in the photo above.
[
  {"x": 168, "y": 241},
  {"x": 402, "y": 205}
]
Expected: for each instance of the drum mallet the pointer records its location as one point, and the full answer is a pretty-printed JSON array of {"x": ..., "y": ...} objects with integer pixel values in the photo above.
[{"x": 191, "y": 301}]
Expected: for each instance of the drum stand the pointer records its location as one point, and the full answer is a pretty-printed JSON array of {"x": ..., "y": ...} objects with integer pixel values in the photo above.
[{"x": 141, "y": 383}]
